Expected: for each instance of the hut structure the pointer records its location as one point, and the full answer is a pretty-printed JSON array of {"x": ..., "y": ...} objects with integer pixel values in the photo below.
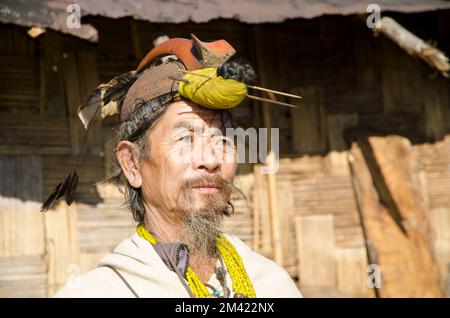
[{"x": 360, "y": 205}]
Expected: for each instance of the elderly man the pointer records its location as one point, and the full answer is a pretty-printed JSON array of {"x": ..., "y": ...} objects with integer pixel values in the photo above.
[{"x": 173, "y": 161}]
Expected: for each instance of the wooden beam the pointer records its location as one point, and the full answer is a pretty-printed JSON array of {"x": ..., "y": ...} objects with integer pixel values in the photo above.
[
  {"x": 72, "y": 92},
  {"x": 309, "y": 122},
  {"x": 413, "y": 45},
  {"x": 406, "y": 262}
]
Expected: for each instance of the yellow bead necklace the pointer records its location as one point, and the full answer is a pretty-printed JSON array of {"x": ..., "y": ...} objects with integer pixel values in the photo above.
[{"x": 239, "y": 277}]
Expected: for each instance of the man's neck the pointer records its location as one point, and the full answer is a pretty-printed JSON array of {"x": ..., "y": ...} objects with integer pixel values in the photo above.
[{"x": 163, "y": 226}]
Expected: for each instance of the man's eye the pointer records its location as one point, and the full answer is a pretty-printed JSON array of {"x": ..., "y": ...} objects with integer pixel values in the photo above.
[
  {"x": 185, "y": 138},
  {"x": 223, "y": 141}
]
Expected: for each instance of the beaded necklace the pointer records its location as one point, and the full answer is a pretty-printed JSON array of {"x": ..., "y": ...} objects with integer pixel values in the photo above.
[{"x": 242, "y": 286}]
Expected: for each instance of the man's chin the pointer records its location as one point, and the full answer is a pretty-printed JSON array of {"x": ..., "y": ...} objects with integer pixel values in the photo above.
[{"x": 207, "y": 204}]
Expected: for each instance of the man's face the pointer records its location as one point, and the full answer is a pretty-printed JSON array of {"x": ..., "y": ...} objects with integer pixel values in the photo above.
[{"x": 188, "y": 168}]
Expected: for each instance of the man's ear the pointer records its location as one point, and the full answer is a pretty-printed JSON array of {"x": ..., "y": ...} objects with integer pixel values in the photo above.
[{"x": 127, "y": 157}]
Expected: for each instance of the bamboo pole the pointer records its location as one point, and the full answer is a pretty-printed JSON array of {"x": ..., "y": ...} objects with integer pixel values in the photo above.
[
  {"x": 413, "y": 45},
  {"x": 274, "y": 212}
]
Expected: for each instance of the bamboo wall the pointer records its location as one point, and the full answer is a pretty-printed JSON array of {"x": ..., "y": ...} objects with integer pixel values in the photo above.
[{"x": 342, "y": 198}]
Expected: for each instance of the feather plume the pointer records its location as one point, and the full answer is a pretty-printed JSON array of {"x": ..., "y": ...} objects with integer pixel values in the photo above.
[
  {"x": 64, "y": 189},
  {"x": 109, "y": 95},
  {"x": 106, "y": 100}
]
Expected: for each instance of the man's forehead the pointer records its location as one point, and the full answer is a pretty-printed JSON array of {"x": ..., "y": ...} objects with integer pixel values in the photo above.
[{"x": 182, "y": 111}]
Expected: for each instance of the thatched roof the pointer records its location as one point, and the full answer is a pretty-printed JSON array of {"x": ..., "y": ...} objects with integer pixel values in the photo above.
[{"x": 53, "y": 14}]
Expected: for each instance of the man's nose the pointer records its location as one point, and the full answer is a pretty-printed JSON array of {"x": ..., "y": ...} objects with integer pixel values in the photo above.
[{"x": 205, "y": 156}]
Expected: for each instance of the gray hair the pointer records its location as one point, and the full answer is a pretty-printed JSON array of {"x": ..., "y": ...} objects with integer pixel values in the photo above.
[{"x": 135, "y": 129}]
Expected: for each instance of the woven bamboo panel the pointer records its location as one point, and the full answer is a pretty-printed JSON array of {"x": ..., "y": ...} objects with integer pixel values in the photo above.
[
  {"x": 102, "y": 226},
  {"x": 24, "y": 276},
  {"x": 62, "y": 248},
  {"x": 33, "y": 134},
  {"x": 323, "y": 185},
  {"x": 20, "y": 86}
]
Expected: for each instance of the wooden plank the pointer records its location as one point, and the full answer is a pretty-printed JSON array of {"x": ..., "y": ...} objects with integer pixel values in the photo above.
[
  {"x": 352, "y": 272},
  {"x": 442, "y": 252},
  {"x": 393, "y": 155},
  {"x": 440, "y": 223},
  {"x": 54, "y": 79},
  {"x": 413, "y": 45},
  {"x": 316, "y": 250},
  {"x": 256, "y": 243},
  {"x": 275, "y": 213},
  {"x": 22, "y": 225},
  {"x": 419, "y": 277},
  {"x": 309, "y": 127},
  {"x": 287, "y": 228},
  {"x": 81, "y": 77},
  {"x": 72, "y": 93},
  {"x": 436, "y": 111},
  {"x": 61, "y": 232},
  {"x": 265, "y": 231}
]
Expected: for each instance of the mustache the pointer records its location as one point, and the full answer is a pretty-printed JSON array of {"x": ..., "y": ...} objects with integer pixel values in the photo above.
[
  {"x": 215, "y": 181},
  {"x": 226, "y": 189}
]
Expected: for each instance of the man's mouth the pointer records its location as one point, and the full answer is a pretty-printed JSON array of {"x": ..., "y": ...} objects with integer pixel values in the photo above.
[{"x": 207, "y": 187}]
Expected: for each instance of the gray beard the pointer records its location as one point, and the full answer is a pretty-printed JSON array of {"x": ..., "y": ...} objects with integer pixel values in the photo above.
[
  {"x": 202, "y": 230},
  {"x": 201, "y": 222}
]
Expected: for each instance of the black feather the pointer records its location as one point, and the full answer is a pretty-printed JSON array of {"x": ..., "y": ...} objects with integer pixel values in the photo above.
[
  {"x": 238, "y": 69},
  {"x": 71, "y": 188},
  {"x": 65, "y": 189}
]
